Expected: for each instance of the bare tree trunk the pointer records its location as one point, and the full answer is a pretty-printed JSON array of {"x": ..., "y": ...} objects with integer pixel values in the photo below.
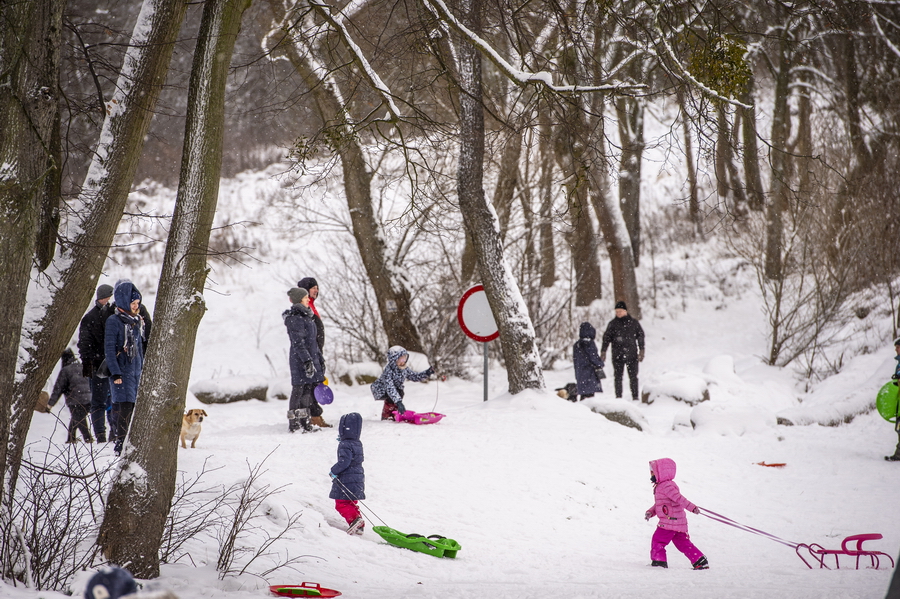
[
  {"x": 391, "y": 292},
  {"x": 756, "y": 199},
  {"x": 775, "y": 211},
  {"x": 70, "y": 280},
  {"x": 137, "y": 508},
  {"x": 693, "y": 197},
  {"x": 630, "y": 113},
  {"x": 30, "y": 38},
  {"x": 508, "y": 178},
  {"x": 722, "y": 153},
  {"x": 545, "y": 223},
  {"x": 523, "y": 363}
]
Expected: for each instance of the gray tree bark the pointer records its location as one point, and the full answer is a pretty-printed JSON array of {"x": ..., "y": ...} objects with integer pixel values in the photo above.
[
  {"x": 778, "y": 158},
  {"x": 70, "y": 280},
  {"x": 392, "y": 294},
  {"x": 630, "y": 113},
  {"x": 520, "y": 352},
  {"x": 30, "y": 38},
  {"x": 137, "y": 508}
]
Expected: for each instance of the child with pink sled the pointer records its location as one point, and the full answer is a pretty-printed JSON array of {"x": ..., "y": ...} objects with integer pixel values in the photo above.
[{"x": 670, "y": 508}]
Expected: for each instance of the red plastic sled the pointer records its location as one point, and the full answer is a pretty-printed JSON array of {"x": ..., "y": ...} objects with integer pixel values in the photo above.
[
  {"x": 819, "y": 553},
  {"x": 417, "y": 418},
  {"x": 305, "y": 589}
]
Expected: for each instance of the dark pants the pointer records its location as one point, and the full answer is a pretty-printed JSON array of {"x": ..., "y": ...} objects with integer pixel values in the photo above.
[
  {"x": 121, "y": 413},
  {"x": 303, "y": 398},
  {"x": 99, "y": 403},
  {"x": 78, "y": 422},
  {"x": 619, "y": 364}
]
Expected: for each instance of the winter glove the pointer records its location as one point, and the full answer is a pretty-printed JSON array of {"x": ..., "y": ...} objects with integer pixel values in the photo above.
[
  {"x": 696, "y": 509},
  {"x": 429, "y": 372},
  {"x": 648, "y": 514},
  {"x": 400, "y": 407},
  {"x": 641, "y": 356},
  {"x": 310, "y": 368},
  {"x": 332, "y": 475}
]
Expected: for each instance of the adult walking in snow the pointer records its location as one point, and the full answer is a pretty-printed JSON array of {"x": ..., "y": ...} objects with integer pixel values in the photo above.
[
  {"x": 124, "y": 349},
  {"x": 77, "y": 389},
  {"x": 91, "y": 334},
  {"x": 389, "y": 386},
  {"x": 896, "y": 377},
  {"x": 626, "y": 336},
  {"x": 312, "y": 287},
  {"x": 304, "y": 359},
  {"x": 588, "y": 365}
]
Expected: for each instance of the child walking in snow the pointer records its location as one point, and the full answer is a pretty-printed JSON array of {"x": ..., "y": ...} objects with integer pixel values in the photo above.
[
  {"x": 587, "y": 362},
  {"x": 389, "y": 386},
  {"x": 670, "y": 508},
  {"x": 348, "y": 484}
]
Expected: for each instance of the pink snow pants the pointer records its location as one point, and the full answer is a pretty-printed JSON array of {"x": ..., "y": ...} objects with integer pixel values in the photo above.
[
  {"x": 348, "y": 509},
  {"x": 681, "y": 540}
]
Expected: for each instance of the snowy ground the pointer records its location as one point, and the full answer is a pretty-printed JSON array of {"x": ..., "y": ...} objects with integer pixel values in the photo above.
[{"x": 546, "y": 497}]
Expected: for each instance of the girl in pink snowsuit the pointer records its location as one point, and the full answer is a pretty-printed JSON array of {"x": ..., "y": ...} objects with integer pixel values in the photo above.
[{"x": 670, "y": 508}]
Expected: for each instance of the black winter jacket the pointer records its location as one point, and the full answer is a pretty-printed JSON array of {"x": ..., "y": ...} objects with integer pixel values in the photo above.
[
  {"x": 626, "y": 337},
  {"x": 72, "y": 384}
]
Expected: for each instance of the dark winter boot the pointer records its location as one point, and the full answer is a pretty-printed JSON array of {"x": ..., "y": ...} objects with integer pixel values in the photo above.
[
  {"x": 119, "y": 443},
  {"x": 101, "y": 437},
  {"x": 658, "y": 564},
  {"x": 701, "y": 564},
  {"x": 294, "y": 419},
  {"x": 892, "y": 458}
]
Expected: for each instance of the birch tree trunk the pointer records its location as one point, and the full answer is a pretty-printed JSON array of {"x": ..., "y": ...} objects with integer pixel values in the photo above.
[
  {"x": 70, "y": 280},
  {"x": 520, "y": 352},
  {"x": 391, "y": 292},
  {"x": 137, "y": 507},
  {"x": 30, "y": 38}
]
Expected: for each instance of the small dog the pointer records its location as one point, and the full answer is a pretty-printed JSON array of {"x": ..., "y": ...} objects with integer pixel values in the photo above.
[{"x": 190, "y": 427}]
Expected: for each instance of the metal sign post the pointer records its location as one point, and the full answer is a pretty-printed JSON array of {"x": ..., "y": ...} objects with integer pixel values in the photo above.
[{"x": 477, "y": 322}]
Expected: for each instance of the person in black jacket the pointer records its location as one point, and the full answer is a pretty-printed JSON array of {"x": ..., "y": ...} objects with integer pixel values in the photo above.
[
  {"x": 77, "y": 390},
  {"x": 626, "y": 336},
  {"x": 90, "y": 348},
  {"x": 312, "y": 287},
  {"x": 307, "y": 368}
]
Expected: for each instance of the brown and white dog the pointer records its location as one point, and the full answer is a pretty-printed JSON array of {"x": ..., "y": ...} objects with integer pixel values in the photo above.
[{"x": 190, "y": 427}]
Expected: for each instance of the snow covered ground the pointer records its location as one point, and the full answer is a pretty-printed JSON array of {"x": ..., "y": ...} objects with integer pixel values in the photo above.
[{"x": 547, "y": 497}]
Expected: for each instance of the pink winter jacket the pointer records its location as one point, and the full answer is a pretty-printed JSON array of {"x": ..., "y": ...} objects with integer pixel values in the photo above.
[{"x": 670, "y": 504}]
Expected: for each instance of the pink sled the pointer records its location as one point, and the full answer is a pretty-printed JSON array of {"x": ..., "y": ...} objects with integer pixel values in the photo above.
[{"x": 417, "y": 418}]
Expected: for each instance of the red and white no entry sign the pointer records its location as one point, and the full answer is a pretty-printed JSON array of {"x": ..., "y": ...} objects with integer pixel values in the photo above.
[{"x": 475, "y": 316}]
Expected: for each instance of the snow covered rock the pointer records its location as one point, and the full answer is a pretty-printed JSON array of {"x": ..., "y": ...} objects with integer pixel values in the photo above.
[
  {"x": 729, "y": 419},
  {"x": 357, "y": 373},
  {"x": 619, "y": 411},
  {"x": 231, "y": 389},
  {"x": 688, "y": 388}
]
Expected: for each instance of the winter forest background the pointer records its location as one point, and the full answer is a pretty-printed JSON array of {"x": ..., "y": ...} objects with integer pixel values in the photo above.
[{"x": 550, "y": 151}]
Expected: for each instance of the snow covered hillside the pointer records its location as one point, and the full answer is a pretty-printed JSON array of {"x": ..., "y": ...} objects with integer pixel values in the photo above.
[{"x": 546, "y": 497}]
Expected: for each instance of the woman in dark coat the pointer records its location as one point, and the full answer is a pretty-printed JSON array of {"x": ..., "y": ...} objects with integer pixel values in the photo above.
[
  {"x": 77, "y": 389},
  {"x": 307, "y": 367},
  {"x": 588, "y": 365},
  {"x": 124, "y": 350},
  {"x": 349, "y": 478}
]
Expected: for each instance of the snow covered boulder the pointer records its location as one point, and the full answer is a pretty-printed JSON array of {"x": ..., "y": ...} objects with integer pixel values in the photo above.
[
  {"x": 231, "y": 389},
  {"x": 729, "y": 419},
  {"x": 619, "y": 411},
  {"x": 280, "y": 388},
  {"x": 357, "y": 373},
  {"x": 688, "y": 388}
]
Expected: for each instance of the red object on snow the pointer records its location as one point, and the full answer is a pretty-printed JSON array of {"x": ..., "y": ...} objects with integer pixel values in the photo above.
[
  {"x": 305, "y": 589},
  {"x": 819, "y": 553},
  {"x": 778, "y": 465},
  {"x": 417, "y": 418}
]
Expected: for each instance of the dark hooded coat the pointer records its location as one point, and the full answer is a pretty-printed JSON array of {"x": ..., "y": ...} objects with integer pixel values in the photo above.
[
  {"x": 71, "y": 383},
  {"x": 348, "y": 469},
  {"x": 301, "y": 331},
  {"x": 587, "y": 361},
  {"x": 626, "y": 336},
  {"x": 124, "y": 345}
]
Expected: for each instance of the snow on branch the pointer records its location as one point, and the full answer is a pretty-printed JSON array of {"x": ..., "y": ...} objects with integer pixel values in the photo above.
[
  {"x": 884, "y": 36},
  {"x": 518, "y": 76},
  {"x": 374, "y": 79}
]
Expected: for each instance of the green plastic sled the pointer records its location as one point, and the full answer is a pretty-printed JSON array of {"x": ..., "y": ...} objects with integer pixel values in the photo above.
[
  {"x": 886, "y": 402},
  {"x": 435, "y": 545}
]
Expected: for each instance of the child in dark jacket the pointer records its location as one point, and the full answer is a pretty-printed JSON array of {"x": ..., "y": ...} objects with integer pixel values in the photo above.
[
  {"x": 389, "y": 386},
  {"x": 587, "y": 362},
  {"x": 77, "y": 390},
  {"x": 348, "y": 477},
  {"x": 669, "y": 507}
]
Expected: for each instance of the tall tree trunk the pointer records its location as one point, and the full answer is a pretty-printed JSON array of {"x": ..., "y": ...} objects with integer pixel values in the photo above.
[
  {"x": 630, "y": 113},
  {"x": 30, "y": 37},
  {"x": 693, "y": 197},
  {"x": 545, "y": 222},
  {"x": 520, "y": 352},
  {"x": 71, "y": 278},
  {"x": 722, "y": 153},
  {"x": 777, "y": 208},
  {"x": 756, "y": 199},
  {"x": 394, "y": 300},
  {"x": 137, "y": 507},
  {"x": 508, "y": 178}
]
